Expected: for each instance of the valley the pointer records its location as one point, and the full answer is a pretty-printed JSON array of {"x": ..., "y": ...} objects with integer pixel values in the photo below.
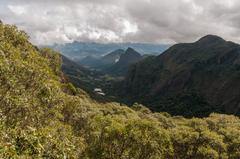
[{"x": 184, "y": 80}]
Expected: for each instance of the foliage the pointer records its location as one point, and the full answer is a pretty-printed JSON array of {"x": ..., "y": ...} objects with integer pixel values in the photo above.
[{"x": 43, "y": 117}]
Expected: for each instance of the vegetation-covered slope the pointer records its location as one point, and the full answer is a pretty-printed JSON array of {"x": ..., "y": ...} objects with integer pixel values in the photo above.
[
  {"x": 191, "y": 79},
  {"x": 40, "y": 118},
  {"x": 80, "y": 76}
]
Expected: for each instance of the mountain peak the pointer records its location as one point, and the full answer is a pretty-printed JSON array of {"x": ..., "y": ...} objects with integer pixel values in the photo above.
[
  {"x": 129, "y": 57},
  {"x": 210, "y": 39},
  {"x": 112, "y": 57},
  {"x": 130, "y": 50}
]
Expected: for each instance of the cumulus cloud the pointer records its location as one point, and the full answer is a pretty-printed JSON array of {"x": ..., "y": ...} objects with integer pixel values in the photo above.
[{"x": 155, "y": 21}]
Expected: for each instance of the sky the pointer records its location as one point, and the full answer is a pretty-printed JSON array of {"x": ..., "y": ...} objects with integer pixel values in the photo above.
[{"x": 149, "y": 21}]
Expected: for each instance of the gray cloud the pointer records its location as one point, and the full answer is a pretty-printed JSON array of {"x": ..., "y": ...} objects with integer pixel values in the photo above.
[{"x": 157, "y": 21}]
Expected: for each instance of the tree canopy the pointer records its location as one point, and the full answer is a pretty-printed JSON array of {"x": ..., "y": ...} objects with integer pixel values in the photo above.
[{"x": 43, "y": 116}]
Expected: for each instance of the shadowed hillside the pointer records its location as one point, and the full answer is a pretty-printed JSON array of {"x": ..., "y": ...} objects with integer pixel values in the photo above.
[
  {"x": 129, "y": 57},
  {"x": 192, "y": 79}
]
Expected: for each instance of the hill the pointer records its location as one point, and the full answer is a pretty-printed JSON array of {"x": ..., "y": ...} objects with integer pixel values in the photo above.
[
  {"x": 129, "y": 57},
  {"x": 44, "y": 116},
  {"x": 191, "y": 79}
]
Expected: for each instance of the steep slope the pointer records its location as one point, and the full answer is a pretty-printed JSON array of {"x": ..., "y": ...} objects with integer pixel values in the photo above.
[
  {"x": 112, "y": 57},
  {"x": 67, "y": 63},
  {"x": 189, "y": 79},
  {"x": 80, "y": 76},
  {"x": 40, "y": 118},
  {"x": 128, "y": 58},
  {"x": 89, "y": 61}
]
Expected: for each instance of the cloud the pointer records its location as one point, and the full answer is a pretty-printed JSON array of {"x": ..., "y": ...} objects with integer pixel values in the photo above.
[
  {"x": 156, "y": 21},
  {"x": 18, "y": 10}
]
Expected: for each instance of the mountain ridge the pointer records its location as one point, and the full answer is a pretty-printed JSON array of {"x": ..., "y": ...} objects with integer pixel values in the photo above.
[
  {"x": 101, "y": 62},
  {"x": 78, "y": 50},
  {"x": 112, "y": 57},
  {"x": 129, "y": 57},
  {"x": 199, "y": 68}
]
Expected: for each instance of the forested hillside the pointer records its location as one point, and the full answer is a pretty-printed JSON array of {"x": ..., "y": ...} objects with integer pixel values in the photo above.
[
  {"x": 190, "y": 79},
  {"x": 43, "y": 116}
]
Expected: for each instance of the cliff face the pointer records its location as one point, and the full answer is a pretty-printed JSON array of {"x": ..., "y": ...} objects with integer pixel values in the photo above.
[{"x": 208, "y": 69}]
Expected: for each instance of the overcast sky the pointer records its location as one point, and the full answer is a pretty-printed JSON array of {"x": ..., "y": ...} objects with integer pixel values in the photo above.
[{"x": 155, "y": 21}]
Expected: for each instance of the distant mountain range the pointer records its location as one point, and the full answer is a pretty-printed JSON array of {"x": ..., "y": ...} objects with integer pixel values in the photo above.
[
  {"x": 79, "y": 50},
  {"x": 191, "y": 79},
  {"x": 103, "y": 61},
  {"x": 114, "y": 63}
]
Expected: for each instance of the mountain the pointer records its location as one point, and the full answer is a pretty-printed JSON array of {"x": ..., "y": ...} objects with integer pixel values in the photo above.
[
  {"x": 191, "y": 79},
  {"x": 89, "y": 61},
  {"x": 112, "y": 57},
  {"x": 78, "y": 50},
  {"x": 129, "y": 57},
  {"x": 147, "y": 55},
  {"x": 42, "y": 115},
  {"x": 101, "y": 62},
  {"x": 114, "y": 63}
]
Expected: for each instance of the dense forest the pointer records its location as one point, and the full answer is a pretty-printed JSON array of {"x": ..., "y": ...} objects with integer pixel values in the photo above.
[
  {"x": 189, "y": 79},
  {"x": 44, "y": 116}
]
